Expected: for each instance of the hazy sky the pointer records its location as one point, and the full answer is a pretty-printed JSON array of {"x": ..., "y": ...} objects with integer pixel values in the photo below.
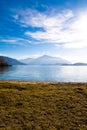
[{"x": 31, "y": 28}]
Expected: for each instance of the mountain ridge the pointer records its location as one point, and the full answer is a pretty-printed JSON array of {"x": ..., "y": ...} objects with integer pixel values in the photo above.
[
  {"x": 7, "y": 61},
  {"x": 42, "y": 60},
  {"x": 45, "y": 60}
]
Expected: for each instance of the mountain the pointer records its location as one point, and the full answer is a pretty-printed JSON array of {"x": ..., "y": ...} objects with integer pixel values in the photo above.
[
  {"x": 6, "y": 61},
  {"x": 46, "y": 60},
  {"x": 27, "y": 61},
  {"x": 80, "y": 64}
]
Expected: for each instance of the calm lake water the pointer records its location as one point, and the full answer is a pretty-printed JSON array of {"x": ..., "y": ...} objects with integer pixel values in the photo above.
[{"x": 44, "y": 73}]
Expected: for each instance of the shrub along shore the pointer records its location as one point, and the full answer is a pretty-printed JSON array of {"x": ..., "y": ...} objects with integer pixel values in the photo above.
[{"x": 43, "y": 105}]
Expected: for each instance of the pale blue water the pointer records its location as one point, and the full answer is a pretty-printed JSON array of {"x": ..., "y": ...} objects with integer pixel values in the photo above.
[{"x": 44, "y": 73}]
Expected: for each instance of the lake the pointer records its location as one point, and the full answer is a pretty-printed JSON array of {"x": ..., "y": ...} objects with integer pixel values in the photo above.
[{"x": 44, "y": 73}]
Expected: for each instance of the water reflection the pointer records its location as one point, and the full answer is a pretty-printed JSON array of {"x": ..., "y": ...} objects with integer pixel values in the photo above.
[
  {"x": 44, "y": 73},
  {"x": 3, "y": 69}
]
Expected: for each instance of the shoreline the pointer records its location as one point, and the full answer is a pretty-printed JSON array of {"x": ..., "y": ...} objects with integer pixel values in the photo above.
[{"x": 43, "y": 82}]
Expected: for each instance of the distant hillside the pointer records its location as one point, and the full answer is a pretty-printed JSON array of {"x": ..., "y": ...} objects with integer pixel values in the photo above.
[
  {"x": 46, "y": 60},
  {"x": 6, "y": 61},
  {"x": 3, "y": 62},
  {"x": 80, "y": 64},
  {"x": 27, "y": 61}
]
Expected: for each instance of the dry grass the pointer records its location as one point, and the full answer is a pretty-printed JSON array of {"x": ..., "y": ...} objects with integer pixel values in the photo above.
[{"x": 43, "y": 106}]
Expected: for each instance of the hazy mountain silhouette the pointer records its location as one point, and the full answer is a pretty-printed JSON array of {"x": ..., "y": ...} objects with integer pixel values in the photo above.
[
  {"x": 80, "y": 64},
  {"x": 46, "y": 60},
  {"x": 6, "y": 61}
]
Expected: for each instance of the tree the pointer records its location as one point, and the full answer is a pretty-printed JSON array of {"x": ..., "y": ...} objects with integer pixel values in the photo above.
[{"x": 3, "y": 62}]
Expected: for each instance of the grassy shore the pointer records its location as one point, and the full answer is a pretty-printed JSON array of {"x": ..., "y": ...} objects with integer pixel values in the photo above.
[{"x": 43, "y": 106}]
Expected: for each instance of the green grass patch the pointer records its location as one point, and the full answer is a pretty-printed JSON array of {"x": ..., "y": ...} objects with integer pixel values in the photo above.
[{"x": 43, "y": 106}]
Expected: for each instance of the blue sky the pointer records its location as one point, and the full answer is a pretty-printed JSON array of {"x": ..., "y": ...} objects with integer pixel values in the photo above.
[{"x": 31, "y": 28}]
